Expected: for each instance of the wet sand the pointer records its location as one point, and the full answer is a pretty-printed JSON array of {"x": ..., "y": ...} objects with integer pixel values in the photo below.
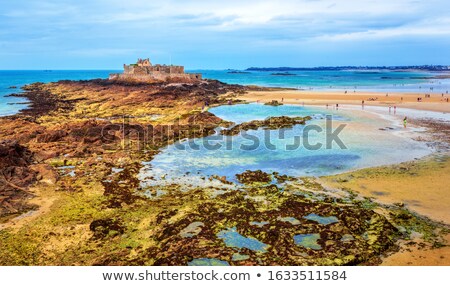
[
  {"x": 419, "y": 255},
  {"x": 436, "y": 102},
  {"x": 421, "y": 185}
]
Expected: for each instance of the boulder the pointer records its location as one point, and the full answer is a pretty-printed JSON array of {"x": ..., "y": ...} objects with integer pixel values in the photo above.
[
  {"x": 46, "y": 173},
  {"x": 51, "y": 136}
]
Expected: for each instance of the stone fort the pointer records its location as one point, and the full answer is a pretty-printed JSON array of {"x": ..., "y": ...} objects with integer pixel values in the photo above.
[{"x": 143, "y": 70}]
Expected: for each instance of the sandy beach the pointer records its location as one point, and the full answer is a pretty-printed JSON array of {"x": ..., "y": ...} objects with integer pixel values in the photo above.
[
  {"x": 385, "y": 183},
  {"x": 420, "y": 185},
  {"x": 436, "y": 102}
]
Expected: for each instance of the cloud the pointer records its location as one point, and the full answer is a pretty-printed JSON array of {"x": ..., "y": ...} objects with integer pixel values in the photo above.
[{"x": 114, "y": 28}]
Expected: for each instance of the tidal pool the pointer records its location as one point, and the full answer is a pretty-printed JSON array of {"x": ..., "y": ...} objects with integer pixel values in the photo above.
[
  {"x": 321, "y": 219},
  {"x": 308, "y": 240},
  {"x": 232, "y": 238},
  {"x": 285, "y": 151}
]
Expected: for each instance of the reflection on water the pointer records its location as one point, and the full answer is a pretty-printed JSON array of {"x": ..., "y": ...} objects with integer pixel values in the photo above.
[
  {"x": 259, "y": 224},
  {"x": 234, "y": 239},
  {"x": 366, "y": 146},
  {"x": 321, "y": 219},
  {"x": 308, "y": 240},
  {"x": 291, "y": 220}
]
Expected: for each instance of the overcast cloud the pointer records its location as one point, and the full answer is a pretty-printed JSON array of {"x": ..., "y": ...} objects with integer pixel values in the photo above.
[{"x": 81, "y": 34}]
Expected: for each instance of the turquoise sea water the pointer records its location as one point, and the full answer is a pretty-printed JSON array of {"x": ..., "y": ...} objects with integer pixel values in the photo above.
[
  {"x": 283, "y": 151},
  {"x": 11, "y": 105},
  {"x": 373, "y": 80},
  {"x": 366, "y": 80}
]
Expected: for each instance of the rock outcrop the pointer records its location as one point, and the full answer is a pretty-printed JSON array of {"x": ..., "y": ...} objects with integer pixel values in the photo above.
[
  {"x": 272, "y": 123},
  {"x": 15, "y": 176}
]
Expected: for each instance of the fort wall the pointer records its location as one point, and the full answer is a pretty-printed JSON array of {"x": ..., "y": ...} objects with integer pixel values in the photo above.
[
  {"x": 156, "y": 77},
  {"x": 143, "y": 70}
]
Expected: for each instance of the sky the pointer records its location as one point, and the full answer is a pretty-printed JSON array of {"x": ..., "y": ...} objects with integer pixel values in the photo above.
[{"x": 210, "y": 34}]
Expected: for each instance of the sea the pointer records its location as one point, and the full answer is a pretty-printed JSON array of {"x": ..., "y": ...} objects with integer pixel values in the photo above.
[{"x": 11, "y": 81}]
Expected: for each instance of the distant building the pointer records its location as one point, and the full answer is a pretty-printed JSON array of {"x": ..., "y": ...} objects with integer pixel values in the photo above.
[{"x": 143, "y": 70}]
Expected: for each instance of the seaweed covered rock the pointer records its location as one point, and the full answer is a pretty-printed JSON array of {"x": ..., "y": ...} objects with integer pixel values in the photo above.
[
  {"x": 273, "y": 103},
  {"x": 204, "y": 118},
  {"x": 15, "y": 176},
  {"x": 250, "y": 177},
  {"x": 51, "y": 136},
  {"x": 238, "y": 228},
  {"x": 106, "y": 227},
  {"x": 271, "y": 123}
]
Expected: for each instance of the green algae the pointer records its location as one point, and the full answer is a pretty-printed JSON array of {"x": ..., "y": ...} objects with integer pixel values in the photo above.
[
  {"x": 177, "y": 226},
  {"x": 207, "y": 262},
  {"x": 239, "y": 257}
]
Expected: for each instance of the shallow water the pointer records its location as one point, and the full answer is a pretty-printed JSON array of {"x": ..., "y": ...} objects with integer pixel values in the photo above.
[
  {"x": 322, "y": 220},
  {"x": 259, "y": 224},
  {"x": 291, "y": 220},
  {"x": 271, "y": 151},
  {"x": 207, "y": 262},
  {"x": 232, "y": 238},
  {"x": 308, "y": 240},
  {"x": 19, "y": 78}
]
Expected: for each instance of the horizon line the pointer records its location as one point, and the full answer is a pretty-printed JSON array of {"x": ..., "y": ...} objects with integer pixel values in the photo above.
[{"x": 252, "y": 67}]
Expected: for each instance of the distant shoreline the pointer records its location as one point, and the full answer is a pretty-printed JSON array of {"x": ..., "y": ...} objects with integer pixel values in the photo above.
[
  {"x": 430, "y": 68},
  {"x": 331, "y": 98}
]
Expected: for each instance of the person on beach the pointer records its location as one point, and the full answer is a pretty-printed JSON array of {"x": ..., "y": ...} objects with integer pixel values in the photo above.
[
  {"x": 282, "y": 99},
  {"x": 205, "y": 106},
  {"x": 389, "y": 109},
  {"x": 404, "y": 121},
  {"x": 395, "y": 109}
]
